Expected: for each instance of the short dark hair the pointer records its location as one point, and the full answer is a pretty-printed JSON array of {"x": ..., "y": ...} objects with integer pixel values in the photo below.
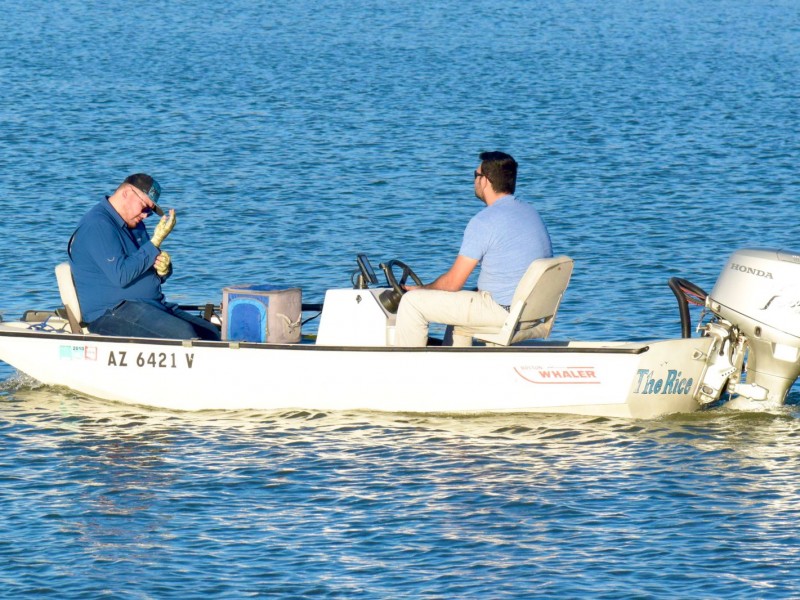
[{"x": 501, "y": 171}]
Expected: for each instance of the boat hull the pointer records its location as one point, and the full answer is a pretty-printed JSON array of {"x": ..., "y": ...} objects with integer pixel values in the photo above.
[{"x": 640, "y": 380}]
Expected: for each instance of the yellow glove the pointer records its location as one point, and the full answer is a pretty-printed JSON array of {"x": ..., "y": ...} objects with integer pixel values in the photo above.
[
  {"x": 162, "y": 264},
  {"x": 163, "y": 228}
]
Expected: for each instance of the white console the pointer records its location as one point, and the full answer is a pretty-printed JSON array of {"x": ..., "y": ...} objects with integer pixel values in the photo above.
[{"x": 355, "y": 317}]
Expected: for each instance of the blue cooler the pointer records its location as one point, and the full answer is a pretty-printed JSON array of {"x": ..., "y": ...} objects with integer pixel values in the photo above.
[{"x": 261, "y": 313}]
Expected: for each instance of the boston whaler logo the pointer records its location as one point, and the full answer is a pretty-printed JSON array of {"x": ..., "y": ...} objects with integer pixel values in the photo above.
[
  {"x": 751, "y": 271},
  {"x": 558, "y": 375}
]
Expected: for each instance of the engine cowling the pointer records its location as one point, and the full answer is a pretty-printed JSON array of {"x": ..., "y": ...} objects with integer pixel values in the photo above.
[{"x": 758, "y": 292}]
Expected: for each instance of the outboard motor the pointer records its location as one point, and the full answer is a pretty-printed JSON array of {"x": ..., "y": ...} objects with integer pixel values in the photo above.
[{"x": 757, "y": 296}]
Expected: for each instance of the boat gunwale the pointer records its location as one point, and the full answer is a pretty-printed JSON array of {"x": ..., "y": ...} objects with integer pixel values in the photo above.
[{"x": 541, "y": 346}]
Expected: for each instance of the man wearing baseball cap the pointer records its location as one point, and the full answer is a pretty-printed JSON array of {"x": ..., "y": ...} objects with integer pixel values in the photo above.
[{"x": 118, "y": 268}]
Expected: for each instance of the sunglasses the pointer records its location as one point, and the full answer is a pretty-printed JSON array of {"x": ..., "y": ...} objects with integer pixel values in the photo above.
[
  {"x": 147, "y": 210},
  {"x": 480, "y": 174}
]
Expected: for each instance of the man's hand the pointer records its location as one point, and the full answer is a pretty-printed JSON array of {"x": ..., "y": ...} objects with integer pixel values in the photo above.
[
  {"x": 163, "y": 228},
  {"x": 162, "y": 264}
]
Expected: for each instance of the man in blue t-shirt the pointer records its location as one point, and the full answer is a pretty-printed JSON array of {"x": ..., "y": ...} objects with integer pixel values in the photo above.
[
  {"x": 118, "y": 268},
  {"x": 505, "y": 238}
]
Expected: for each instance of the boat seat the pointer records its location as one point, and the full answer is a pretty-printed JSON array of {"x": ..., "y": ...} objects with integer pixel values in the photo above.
[
  {"x": 69, "y": 296},
  {"x": 533, "y": 307}
]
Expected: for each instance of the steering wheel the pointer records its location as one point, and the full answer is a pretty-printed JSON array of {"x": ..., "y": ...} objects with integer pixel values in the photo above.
[
  {"x": 397, "y": 286},
  {"x": 391, "y": 298}
]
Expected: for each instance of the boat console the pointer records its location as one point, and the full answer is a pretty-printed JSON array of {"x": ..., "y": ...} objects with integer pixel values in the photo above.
[
  {"x": 355, "y": 317},
  {"x": 363, "y": 316}
]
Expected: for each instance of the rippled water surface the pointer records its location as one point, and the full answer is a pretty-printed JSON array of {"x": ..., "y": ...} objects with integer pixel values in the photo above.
[
  {"x": 655, "y": 138},
  {"x": 102, "y": 498}
]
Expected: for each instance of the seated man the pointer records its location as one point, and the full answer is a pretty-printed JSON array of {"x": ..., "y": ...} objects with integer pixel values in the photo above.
[
  {"x": 118, "y": 268},
  {"x": 505, "y": 237}
]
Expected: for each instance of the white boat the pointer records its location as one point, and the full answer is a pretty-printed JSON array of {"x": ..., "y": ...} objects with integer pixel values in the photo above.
[{"x": 747, "y": 353}]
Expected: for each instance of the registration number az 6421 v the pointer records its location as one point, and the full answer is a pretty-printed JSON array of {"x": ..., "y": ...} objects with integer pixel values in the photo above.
[{"x": 154, "y": 360}]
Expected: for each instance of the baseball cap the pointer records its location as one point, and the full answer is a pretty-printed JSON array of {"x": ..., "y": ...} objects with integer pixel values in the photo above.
[{"x": 148, "y": 185}]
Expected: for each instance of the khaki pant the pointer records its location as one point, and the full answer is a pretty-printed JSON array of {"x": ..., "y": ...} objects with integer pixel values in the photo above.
[{"x": 418, "y": 308}]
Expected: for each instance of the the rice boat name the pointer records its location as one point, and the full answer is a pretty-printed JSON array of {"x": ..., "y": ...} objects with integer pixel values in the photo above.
[{"x": 673, "y": 383}]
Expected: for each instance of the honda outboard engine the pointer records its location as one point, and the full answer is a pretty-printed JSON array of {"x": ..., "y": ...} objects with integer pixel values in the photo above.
[{"x": 757, "y": 298}]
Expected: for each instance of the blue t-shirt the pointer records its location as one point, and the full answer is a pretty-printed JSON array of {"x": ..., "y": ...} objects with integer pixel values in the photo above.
[
  {"x": 112, "y": 262},
  {"x": 506, "y": 238}
]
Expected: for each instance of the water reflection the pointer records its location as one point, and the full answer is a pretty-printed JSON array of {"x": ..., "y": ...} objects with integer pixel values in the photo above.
[{"x": 138, "y": 486}]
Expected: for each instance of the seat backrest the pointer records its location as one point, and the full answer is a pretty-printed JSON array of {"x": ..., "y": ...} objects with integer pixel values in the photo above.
[
  {"x": 535, "y": 302},
  {"x": 69, "y": 296}
]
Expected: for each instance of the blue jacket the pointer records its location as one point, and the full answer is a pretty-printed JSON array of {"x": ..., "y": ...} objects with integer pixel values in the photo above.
[{"x": 111, "y": 262}]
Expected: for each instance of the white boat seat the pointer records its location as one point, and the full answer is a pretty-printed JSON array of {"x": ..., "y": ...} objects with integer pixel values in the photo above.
[
  {"x": 69, "y": 296},
  {"x": 533, "y": 308}
]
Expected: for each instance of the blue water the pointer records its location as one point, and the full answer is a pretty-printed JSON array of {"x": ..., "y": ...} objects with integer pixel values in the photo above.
[{"x": 655, "y": 138}]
